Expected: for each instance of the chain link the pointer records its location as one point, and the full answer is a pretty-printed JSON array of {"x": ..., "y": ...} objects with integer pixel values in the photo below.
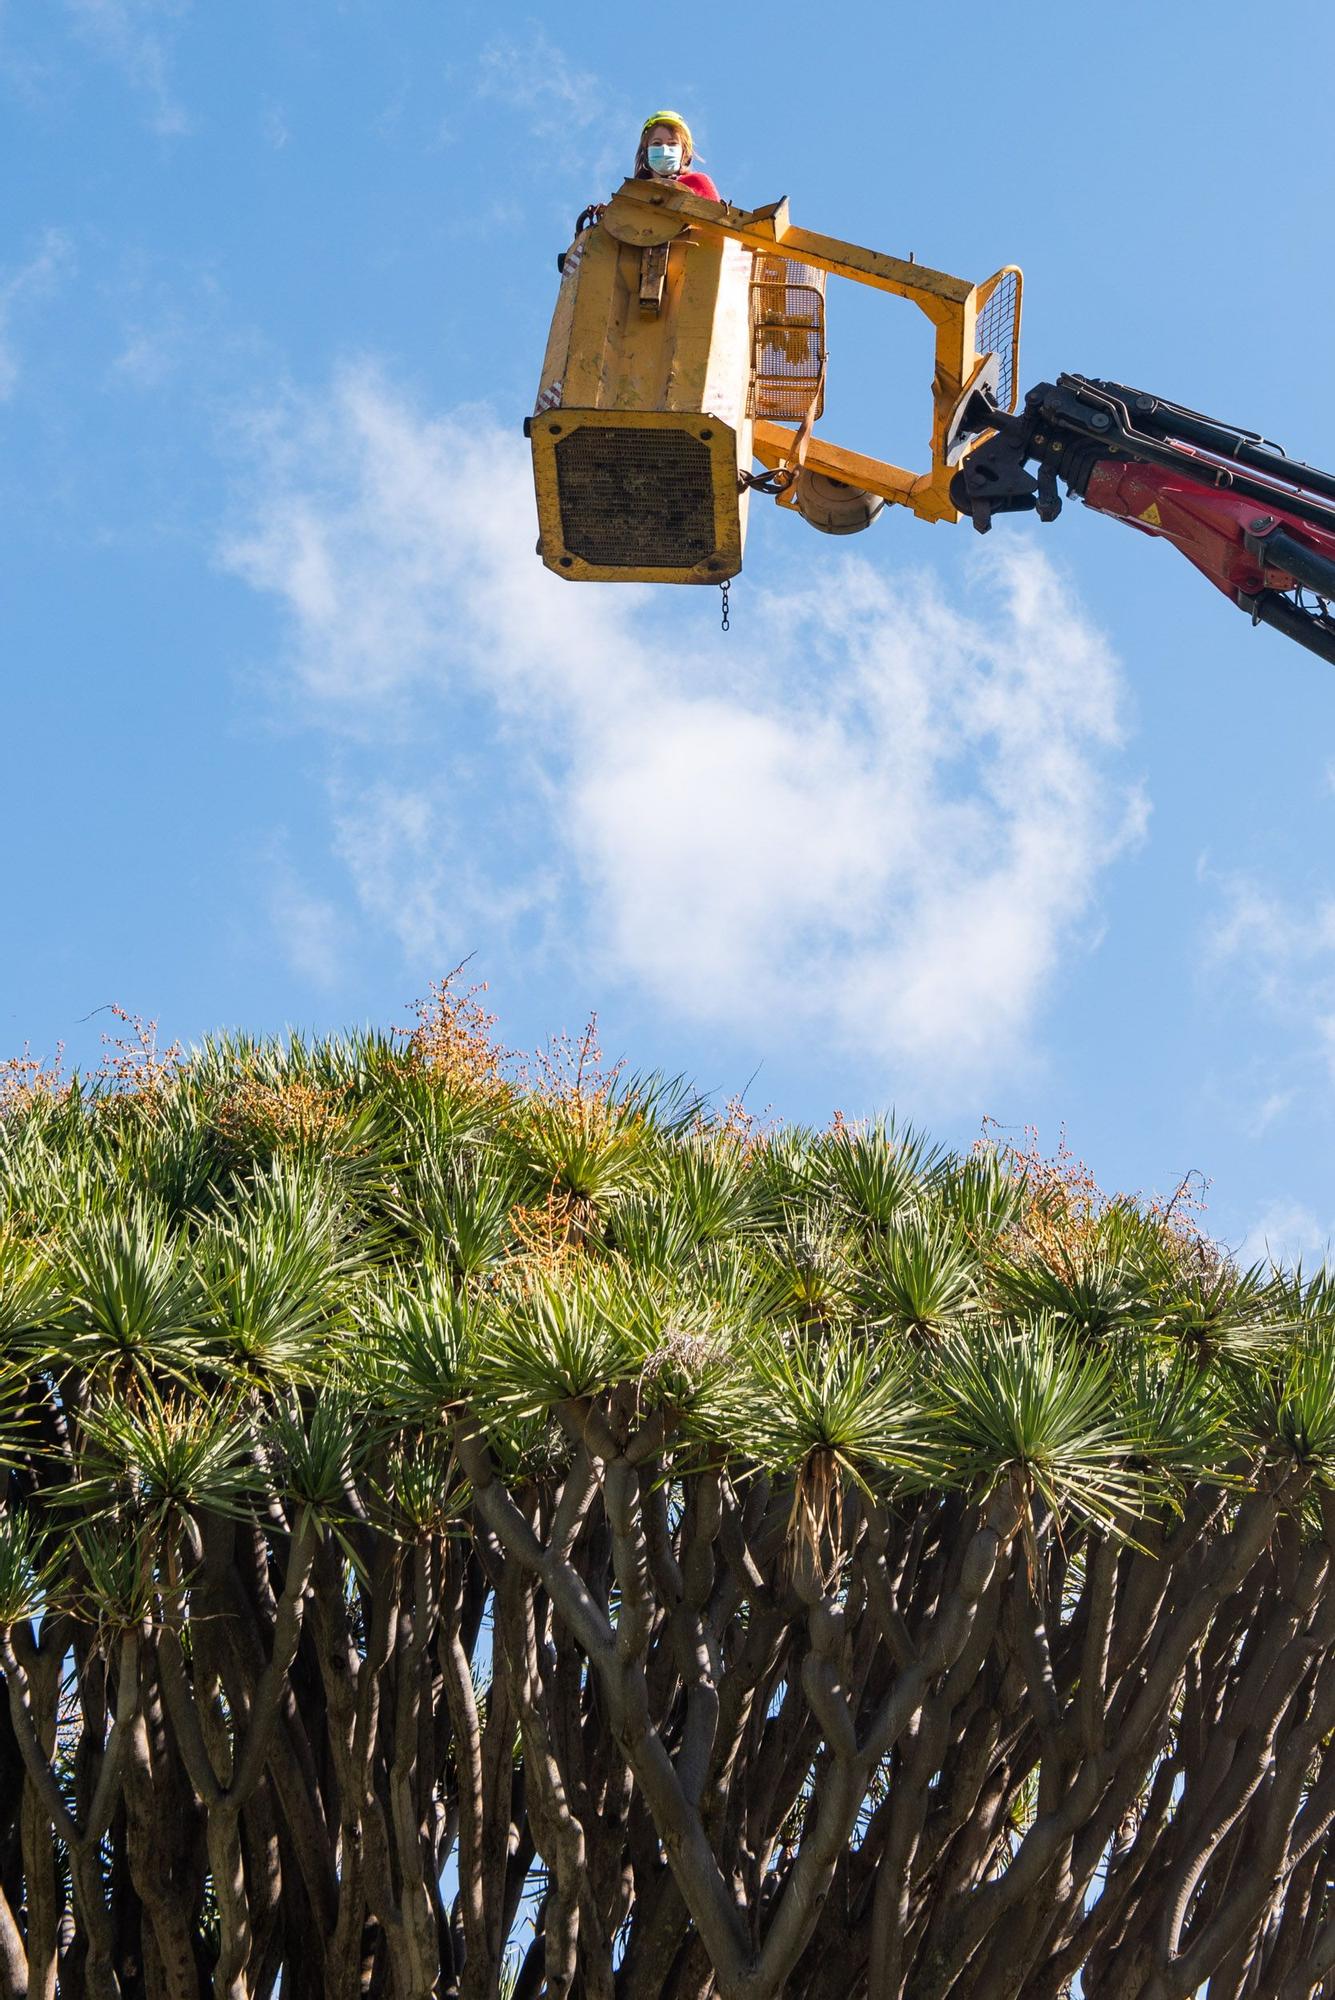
[
  {"x": 767, "y": 482},
  {"x": 727, "y": 622}
]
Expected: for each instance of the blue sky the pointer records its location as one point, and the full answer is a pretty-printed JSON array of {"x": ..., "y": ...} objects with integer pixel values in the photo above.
[{"x": 1036, "y": 829}]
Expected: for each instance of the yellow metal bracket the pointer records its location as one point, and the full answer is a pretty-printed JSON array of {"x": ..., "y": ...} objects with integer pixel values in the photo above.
[{"x": 648, "y": 212}]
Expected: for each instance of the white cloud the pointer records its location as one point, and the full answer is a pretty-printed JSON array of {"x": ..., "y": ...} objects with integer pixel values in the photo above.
[
  {"x": 308, "y": 928},
  {"x": 168, "y": 326},
  {"x": 19, "y": 69},
  {"x": 1284, "y": 1234},
  {"x": 1284, "y": 952},
  {"x": 148, "y": 356},
  {"x": 133, "y": 35},
  {"x": 530, "y": 74},
  {"x": 274, "y": 125},
  {"x": 21, "y": 289},
  {"x": 874, "y": 815},
  {"x": 1272, "y": 1107},
  {"x": 550, "y": 97},
  {"x": 413, "y": 868},
  {"x": 1272, "y": 935}
]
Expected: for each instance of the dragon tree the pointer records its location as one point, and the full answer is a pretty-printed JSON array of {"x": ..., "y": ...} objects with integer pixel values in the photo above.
[{"x": 477, "y": 1530}]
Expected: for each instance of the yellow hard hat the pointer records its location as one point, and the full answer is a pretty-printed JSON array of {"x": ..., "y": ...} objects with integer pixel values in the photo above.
[{"x": 670, "y": 118}]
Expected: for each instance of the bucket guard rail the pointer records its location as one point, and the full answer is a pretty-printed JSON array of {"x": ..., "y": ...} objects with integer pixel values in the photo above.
[{"x": 647, "y": 212}]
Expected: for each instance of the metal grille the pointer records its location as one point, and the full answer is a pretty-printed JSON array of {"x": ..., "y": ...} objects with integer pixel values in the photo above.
[
  {"x": 635, "y": 499},
  {"x": 999, "y": 329},
  {"x": 787, "y": 337}
]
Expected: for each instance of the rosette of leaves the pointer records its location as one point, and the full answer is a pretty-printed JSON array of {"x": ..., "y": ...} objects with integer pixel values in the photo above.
[
  {"x": 1027, "y": 1404},
  {"x": 921, "y": 1276},
  {"x": 878, "y": 1175}
]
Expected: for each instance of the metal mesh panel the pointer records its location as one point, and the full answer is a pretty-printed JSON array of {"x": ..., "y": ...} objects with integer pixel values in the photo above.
[
  {"x": 999, "y": 331},
  {"x": 787, "y": 335},
  {"x": 635, "y": 499}
]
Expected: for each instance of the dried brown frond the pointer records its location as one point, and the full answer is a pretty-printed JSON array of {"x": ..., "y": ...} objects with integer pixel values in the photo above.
[
  {"x": 816, "y": 1518},
  {"x": 689, "y": 1352}
]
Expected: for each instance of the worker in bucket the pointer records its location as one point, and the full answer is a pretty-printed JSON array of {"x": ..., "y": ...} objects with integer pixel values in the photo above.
[{"x": 665, "y": 154}]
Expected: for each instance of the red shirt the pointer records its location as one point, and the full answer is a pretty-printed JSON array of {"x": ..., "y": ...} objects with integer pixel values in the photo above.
[{"x": 699, "y": 184}]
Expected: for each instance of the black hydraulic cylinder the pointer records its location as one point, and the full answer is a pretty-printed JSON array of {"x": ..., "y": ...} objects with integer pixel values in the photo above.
[
  {"x": 1213, "y": 437},
  {"x": 1242, "y": 447},
  {"x": 1304, "y": 565},
  {"x": 1272, "y": 609}
]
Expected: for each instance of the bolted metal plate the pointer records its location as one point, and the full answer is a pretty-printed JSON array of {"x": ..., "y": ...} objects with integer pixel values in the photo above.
[{"x": 635, "y": 499}]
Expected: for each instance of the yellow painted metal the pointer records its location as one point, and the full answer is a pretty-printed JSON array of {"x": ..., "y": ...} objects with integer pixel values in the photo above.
[
  {"x": 634, "y": 445},
  {"x": 773, "y": 444},
  {"x": 651, "y": 335},
  {"x": 1006, "y": 285},
  {"x": 652, "y": 321},
  {"x": 950, "y": 303},
  {"x": 655, "y": 206}
]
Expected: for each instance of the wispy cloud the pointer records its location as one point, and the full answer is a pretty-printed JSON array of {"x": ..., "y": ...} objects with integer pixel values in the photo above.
[
  {"x": 876, "y": 816},
  {"x": 1285, "y": 1233},
  {"x": 277, "y": 132},
  {"x": 548, "y": 95},
  {"x": 148, "y": 356},
  {"x": 1272, "y": 1107},
  {"x": 21, "y": 70},
  {"x": 1272, "y": 934},
  {"x": 1283, "y": 954},
  {"x": 26, "y": 286},
  {"x": 531, "y": 74},
  {"x": 308, "y": 927},
  {"x": 414, "y": 866},
  {"x": 169, "y": 324},
  {"x": 134, "y": 35}
]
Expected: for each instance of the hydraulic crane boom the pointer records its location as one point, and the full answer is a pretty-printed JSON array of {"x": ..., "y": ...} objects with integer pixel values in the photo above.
[
  {"x": 689, "y": 340},
  {"x": 1259, "y": 525}
]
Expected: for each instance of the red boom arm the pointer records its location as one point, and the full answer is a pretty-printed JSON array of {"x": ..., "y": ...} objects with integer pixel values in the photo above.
[
  {"x": 1210, "y": 526},
  {"x": 1259, "y": 525}
]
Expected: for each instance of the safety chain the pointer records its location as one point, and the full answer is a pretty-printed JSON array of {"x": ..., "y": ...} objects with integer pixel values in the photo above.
[
  {"x": 727, "y": 622},
  {"x": 779, "y": 479},
  {"x": 767, "y": 482}
]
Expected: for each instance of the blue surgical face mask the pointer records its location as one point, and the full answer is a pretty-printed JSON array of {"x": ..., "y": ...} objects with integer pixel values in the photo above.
[{"x": 664, "y": 159}]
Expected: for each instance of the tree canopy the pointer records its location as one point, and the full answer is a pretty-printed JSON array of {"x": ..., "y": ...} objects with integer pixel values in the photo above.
[{"x": 472, "y": 1528}]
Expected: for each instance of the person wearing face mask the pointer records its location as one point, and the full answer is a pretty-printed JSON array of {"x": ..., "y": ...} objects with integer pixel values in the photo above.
[{"x": 665, "y": 154}]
